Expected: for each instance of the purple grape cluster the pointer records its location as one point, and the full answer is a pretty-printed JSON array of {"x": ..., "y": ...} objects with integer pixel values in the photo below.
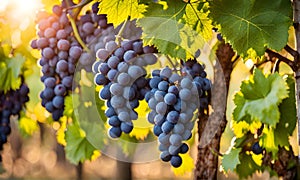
[
  {"x": 120, "y": 70},
  {"x": 61, "y": 51},
  {"x": 11, "y": 104},
  {"x": 197, "y": 71},
  {"x": 173, "y": 100}
]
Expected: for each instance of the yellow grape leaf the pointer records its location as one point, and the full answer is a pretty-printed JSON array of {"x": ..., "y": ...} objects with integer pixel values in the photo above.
[
  {"x": 96, "y": 154},
  {"x": 186, "y": 167},
  {"x": 40, "y": 113},
  {"x": 28, "y": 126},
  {"x": 119, "y": 10},
  {"x": 139, "y": 133},
  {"x": 60, "y": 134},
  {"x": 141, "y": 126},
  {"x": 257, "y": 158},
  {"x": 240, "y": 128}
]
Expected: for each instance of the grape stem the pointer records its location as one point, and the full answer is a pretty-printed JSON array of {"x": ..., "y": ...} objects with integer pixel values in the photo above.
[
  {"x": 172, "y": 64},
  {"x": 119, "y": 35},
  {"x": 76, "y": 34}
]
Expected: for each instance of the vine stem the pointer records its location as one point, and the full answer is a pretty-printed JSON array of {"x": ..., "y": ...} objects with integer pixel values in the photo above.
[
  {"x": 296, "y": 14},
  {"x": 76, "y": 34},
  {"x": 119, "y": 35}
]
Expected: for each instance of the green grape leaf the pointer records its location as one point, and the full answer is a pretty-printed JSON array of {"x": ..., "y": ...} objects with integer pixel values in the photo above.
[
  {"x": 161, "y": 28},
  {"x": 247, "y": 167},
  {"x": 253, "y": 24},
  {"x": 288, "y": 116},
  {"x": 231, "y": 159},
  {"x": 119, "y": 10},
  {"x": 71, "y": 103},
  {"x": 10, "y": 71},
  {"x": 78, "y": 148},
  {"x": 259, "y": 98},
  {"x": 196, "y": 16},
  {"x": 166, "y": 29}
]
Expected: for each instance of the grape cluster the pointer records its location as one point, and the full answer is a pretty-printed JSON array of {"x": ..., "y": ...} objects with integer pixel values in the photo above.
[
  {"x": 173, "y": 100},
  {"x": 120, "y": 70},
  {"x": 11, "y": 104},
  {"x": 61, "y": 51},
  {"x": 197, "y": 72}
]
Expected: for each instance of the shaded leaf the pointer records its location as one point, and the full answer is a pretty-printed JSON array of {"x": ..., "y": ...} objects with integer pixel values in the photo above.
[
  {"x": 253, "y": 24},
  {"x": 231, "y": 160}
]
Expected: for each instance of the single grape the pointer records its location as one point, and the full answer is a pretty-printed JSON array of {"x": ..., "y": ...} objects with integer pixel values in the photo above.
[
  {"x": 175, "y": 139},
  {"x": 58, "y": 101},
  {"x": 256, "y": 148},
  {"x": 170, "y": 99},
  {"x": 167, "y": 127},
  {"x": 59, "y": 90},
  {"x": 114, "y": 121},
  {"x": 176, "y": 161},
  {"x": 173, "y": 117},
  {"x": 126, "y": 127},
  {"x": 165, "y": 156},
  {"x": 100, "y": 79},
  {"x": 115, "y": 132}
]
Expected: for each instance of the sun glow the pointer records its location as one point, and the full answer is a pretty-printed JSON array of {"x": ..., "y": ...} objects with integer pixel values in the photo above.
[{"x": 18, "y": 10}]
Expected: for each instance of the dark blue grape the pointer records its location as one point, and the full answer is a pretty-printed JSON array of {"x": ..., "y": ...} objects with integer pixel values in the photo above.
[
  {"x": 167, "y": 127},
  {"x": 115, "y": 132},
  {"x": 173, "y": 116},
  {"x": 110, "y": 112},
  {"x": 157, "y": 130},
  {"x": 114, "y": 121},
  {"x": 176, "y": 161},
  {"x": 154, "y": 82},
  {"x": 184, "y": 148},
  {"x": 256, "y": 148},
  {"x": 126, "y": 127},
  {"x": 58, "y": 101}
]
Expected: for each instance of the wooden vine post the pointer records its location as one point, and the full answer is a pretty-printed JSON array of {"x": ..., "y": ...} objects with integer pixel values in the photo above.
[{"x": 296, "y": 13}]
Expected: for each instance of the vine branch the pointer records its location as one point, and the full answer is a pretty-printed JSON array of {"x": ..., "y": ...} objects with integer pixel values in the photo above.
[
  {"x": 281, "y": 58},
  {"x": 76, "y": 34}
]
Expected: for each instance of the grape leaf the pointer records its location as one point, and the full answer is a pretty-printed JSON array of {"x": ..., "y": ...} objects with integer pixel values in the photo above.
[
  {"x": 253, "y": 24},
  {"x": 141, "y": 127},
  {"x": 71, "y": 103},
  {"x": 197, "y": 17},
  {"x": 78, "y": 148},
  {"x": 60, "y": 134},
  {"x": 231, "y": 160},
  {"x": 260, "y": 105},
  {"x": 161, "y": 28},
  {"x": 268, "y": 141},
  {"x": 27, "y": 126},
  {"x": 10, "y": 71},
  {"x": 287, "y": 123},
  {"x": 119, "y": 10},
  {"x": 187, "y": 165},
  {"x": 247, "y": 167},
  {"x": 165, "y": 28},
  {"x": 288, "y": 114}
]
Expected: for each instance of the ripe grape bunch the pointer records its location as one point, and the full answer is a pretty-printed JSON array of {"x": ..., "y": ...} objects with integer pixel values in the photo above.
[
  {"x": 173, "y": 100},
  {"x": 11, "y": 104},
  {"x": 61, "y": 51},
  {"x": 120, "y": 70}
]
